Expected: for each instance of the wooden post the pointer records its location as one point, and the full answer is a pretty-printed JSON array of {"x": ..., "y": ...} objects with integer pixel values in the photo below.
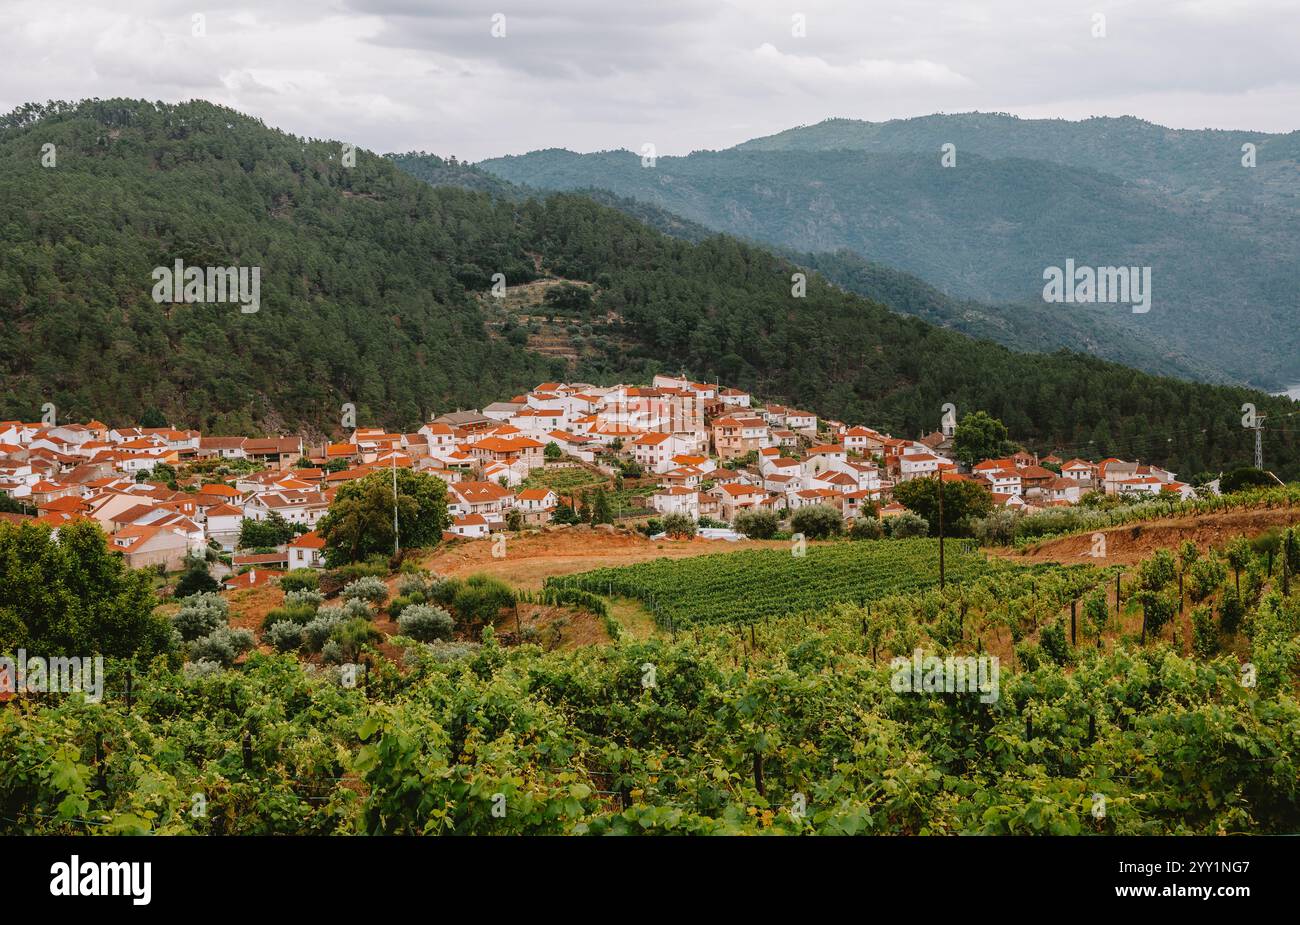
[
  {"x": 1074, "y": 607},
  {"x": 1287, "y": 539},
  {"x": 128, "y": 690},
  {"x": 101, "y": 783},
  {"x": 1117, "y": 593}
]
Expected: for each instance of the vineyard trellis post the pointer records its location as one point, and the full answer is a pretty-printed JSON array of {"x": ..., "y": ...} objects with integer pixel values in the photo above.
[{"x": 101, "y": 782}]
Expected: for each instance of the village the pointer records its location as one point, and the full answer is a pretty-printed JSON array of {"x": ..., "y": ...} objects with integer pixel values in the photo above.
[{"x": 708, "y": 453}]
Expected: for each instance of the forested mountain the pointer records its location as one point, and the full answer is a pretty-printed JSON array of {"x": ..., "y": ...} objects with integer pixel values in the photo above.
[
  {"x": 1223, "y": 262},
  {"x": 442, "y": 171},
  {"x": 1195, "y": 165},
  {"x": 1034, "y": 326},
  {"x": 375, "y": 290},
  {"x": 367, "y": 277}
]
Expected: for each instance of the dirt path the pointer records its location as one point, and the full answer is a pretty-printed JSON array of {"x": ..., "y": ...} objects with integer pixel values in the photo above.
[{"x": 1130, "y": 544}]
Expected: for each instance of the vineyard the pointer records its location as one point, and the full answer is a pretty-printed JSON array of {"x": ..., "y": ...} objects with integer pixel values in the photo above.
[
  {"x": 790, "y": 725},
  {"x": 757, "y": 584}
]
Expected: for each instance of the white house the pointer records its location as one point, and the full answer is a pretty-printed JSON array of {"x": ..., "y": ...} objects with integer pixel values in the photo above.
[
  {"x": 471, "y": 526},
  {"x": 821, "y": 458},
  {"x": 307, "y": 551},
  {"x": 536, "y": 504},
  {"x": 677, "y": 500},
  {"x": 655, "y": 451},
  {"x": 917, "y": 466}
]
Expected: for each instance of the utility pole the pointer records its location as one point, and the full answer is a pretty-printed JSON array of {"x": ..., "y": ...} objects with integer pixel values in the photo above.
[
  {"x": 939, "y": 476},
  {"x": 397, "y": 546}
]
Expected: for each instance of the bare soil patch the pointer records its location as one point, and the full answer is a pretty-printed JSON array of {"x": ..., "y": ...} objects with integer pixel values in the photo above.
[
  {"x": 1130, "y": 544},
  {"x": 531, "y": 558}
]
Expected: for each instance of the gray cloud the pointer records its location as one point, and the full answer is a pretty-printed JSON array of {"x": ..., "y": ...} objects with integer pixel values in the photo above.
[{"x": 683, "y": 74}]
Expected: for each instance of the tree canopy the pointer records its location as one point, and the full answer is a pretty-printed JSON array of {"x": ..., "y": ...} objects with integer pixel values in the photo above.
[
  {"x": 360, "y": 519},
  {"x": 72, "y": 596}
]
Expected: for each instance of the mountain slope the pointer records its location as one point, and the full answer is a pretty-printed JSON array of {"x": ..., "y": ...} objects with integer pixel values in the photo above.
[
  {"x": 365, "y": 274},
  {"x": 1223, "y": 271},
  {"x": 1031, "y": 326},
  {"x": 375, "y": 290},
  {"x": 1195, "y": 165},
  {"x": 1035, "y": 327}
]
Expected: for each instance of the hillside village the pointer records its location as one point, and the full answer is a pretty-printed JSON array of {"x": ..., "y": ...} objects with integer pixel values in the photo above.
[{"x": 707, "y": 452}]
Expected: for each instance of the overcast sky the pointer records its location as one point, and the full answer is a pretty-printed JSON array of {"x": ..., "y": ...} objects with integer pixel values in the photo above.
[{"x": 397, "y": 75}]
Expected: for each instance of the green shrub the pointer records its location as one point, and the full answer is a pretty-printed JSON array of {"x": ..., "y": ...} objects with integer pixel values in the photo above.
[
  {"x": 297, "y": 614},
  {"x": 223, "y": 645},
  {"x": 375, "y": 567},
  {"x": 200, "y": 615},
  {"x": 300, "y": 579},
  {"x": 305, "y": 597},
  {"x": 316, "y": 633},
  {"x": 866, "y": 528},
  {"x": 679, "y": 525},
  {"x": 286, "y": 636},
  {"x": 480, "y": 600},
  {"x": 757, "y": 525},
  {"x": 352, "y": 635},
  {"x": 203, "y": 668},
  {"x": 368, "y": 588},
  {"x": 426, "y": 623},
  {"x": 415, "y": 583},
  {"x": 444, "y": 592},
  {"x": 195, "y": 580},
  {"x": 996, "y": 529},
  {"x": 817, "y": 522},
  {"x": 907, "y": 525}
]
